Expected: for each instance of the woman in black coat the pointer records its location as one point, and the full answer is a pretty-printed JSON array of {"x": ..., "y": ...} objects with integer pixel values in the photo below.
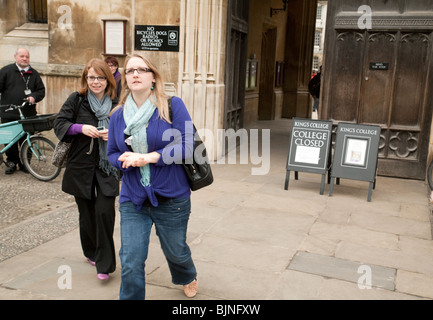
[{"x": 89, "y": 177}]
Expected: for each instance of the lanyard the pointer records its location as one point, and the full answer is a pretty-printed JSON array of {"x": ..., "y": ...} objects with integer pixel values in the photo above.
[{"x": 26, "y": 82}]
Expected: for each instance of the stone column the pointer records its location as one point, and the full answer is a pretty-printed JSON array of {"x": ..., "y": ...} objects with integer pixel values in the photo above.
[
  {"x": 202, "y": 58},
  {"x": 301, "y": 24}
]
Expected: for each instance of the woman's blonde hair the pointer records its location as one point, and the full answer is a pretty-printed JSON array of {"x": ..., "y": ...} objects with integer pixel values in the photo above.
[
  {"x": 158, "y": 96},
  {"x": 100, "y": 67}
]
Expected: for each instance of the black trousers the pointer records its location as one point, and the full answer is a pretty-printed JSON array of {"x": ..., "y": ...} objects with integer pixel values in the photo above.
[
  {"x": 97, "y": 217},
  {"x": 12, "y": 153}
]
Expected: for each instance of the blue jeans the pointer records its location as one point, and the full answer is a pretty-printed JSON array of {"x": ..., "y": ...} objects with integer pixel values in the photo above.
[{"x": 171, "y": 221}]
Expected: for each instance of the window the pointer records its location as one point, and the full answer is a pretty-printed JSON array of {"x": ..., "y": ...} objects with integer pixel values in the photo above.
[
  {"x": 319, "y": 12},
  {"x": 315, "y": 63},
  {"x": 317, "y": 38}
]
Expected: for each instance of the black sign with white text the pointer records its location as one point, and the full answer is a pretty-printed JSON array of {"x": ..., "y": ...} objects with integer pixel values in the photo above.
[
  {"x": 157, "y": 38},
  {"x": 379, "y": 65},
  {"x": 356, "y": 151},
  {"x": 309, "y": 145},
  {"x": 355, "y": 155}
]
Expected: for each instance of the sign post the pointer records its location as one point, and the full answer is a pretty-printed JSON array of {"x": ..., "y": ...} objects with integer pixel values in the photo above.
[
  {"x": 356, "y": 153},
  {"x": 310, "y": 145}
]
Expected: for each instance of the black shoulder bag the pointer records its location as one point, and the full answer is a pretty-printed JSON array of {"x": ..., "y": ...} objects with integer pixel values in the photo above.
[
  {"x": 199, "y": 174},
  {"x": 61, "y": 151}
]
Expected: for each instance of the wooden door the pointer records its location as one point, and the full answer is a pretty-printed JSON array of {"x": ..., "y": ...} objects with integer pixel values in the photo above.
[
  {"x": 236, "y": 60},
  {"x": 383, "y": 76},
  {"x": 37, "y": 11}
]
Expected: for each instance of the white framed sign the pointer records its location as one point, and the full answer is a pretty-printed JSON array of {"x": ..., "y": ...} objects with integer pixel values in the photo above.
[
  {"x": 114, "y": 37},
  {"x": 355, "y": 151}
]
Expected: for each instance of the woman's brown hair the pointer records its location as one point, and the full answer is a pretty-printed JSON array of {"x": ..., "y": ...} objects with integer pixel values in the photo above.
[
  {"x": 158, "y": 96},
  {"x": 101, "y": 68}
]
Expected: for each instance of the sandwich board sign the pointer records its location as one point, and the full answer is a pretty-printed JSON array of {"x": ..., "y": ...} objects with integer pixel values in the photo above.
[
  {"x": 356, "y": 154},
  {"x": 310, "y": 145}
]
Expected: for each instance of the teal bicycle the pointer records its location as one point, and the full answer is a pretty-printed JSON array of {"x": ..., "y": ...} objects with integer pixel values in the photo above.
[{"x": 36, "y": 151}]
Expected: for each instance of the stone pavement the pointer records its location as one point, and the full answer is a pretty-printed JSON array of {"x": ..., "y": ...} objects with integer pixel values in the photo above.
[{"x": 250, "y": 239}]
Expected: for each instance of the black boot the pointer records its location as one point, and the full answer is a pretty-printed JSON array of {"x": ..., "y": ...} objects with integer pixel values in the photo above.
[{"x": 11, "y": 167}]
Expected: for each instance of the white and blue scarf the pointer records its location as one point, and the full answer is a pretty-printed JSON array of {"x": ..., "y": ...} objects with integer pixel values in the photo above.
[
  {"x": 102, "y": 110},
  {"x": 136, "y": 120}
]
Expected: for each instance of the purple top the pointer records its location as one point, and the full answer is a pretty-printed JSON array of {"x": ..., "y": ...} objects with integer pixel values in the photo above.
[{"x": 75, "y": 129}]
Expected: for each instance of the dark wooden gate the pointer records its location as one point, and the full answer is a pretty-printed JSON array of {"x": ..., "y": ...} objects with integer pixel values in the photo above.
[
  {"x": 38, "y": 11},
  {"x": 236, "y": 60},
  {"x": 382, "y": 74}
]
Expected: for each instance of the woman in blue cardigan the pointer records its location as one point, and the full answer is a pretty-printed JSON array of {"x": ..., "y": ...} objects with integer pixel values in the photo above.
[{"x": 146, "y": 145}]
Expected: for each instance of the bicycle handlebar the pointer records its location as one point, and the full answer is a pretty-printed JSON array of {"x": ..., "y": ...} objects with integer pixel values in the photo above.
[{"x": 16, "y": 107}]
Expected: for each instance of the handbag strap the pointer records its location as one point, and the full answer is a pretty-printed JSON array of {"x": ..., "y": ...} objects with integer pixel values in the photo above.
[
  {"x": 170, "y": 110},
  {"x": 77, "y": 107}
]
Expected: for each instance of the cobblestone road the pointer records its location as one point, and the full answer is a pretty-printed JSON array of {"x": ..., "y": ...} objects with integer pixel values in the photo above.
[{"x": 32, "y": 212}]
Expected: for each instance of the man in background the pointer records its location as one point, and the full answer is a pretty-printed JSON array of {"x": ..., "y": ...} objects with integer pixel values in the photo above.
[
  {"x": 314, "y": 89},
  {"x": 19, "y": 82}
]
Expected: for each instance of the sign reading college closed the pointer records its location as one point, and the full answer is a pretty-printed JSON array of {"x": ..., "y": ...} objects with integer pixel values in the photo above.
[
  {"x": 157, "y": 38},
  {"x": 310, "y": 144}
]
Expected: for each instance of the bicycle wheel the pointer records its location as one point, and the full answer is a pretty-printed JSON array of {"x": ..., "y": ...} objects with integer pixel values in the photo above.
[
  {"x": 430, "y": 175},
  {"x": 38, "y": 158}
]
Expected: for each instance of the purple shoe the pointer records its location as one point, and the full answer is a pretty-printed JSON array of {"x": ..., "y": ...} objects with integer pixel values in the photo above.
[
  {"x": 102, "y": 276},
  {"x": 91, "y": 262}
]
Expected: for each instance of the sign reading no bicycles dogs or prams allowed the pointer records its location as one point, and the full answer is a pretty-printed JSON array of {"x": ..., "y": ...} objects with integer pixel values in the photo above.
[
  {"x": 310, "y": 145},
  {"x": 355, "y": 154}
]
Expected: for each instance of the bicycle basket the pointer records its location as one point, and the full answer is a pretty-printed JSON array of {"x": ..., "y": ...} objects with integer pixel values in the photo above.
[{"x": 43, "y": 122}]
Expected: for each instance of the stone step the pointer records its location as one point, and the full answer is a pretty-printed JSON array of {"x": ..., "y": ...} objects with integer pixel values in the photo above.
[
  {"x": 27, "y": 34},
  {"x": 33, "y": 36},
  {"x": 33, "y": 26},
  {"x": 29, "y": 30}
]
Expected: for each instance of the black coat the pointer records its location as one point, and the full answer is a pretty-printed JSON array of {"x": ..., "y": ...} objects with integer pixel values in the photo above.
[
  {"x": 12, "y": 87},
  {"x": 81, "y": 168},
  {"x": 314, "y": 86}
]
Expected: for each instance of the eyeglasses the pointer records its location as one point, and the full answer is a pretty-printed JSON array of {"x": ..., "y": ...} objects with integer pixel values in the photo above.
[
  {"x": 131, "y": 71},
  {"x": 92, "y": 79}
]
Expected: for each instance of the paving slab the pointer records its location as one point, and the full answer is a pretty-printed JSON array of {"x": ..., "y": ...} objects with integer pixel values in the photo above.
[{"x": 365, "y": 275}]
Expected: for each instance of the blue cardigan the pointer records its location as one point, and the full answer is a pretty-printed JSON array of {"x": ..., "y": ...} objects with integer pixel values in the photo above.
[{"x": 173, "y": 141}]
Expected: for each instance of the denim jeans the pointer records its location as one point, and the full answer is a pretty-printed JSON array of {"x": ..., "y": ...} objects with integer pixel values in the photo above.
[{"x": 171, "y": 221}]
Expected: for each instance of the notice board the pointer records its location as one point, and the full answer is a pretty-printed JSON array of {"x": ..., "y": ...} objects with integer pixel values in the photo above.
[
  {"x": 310, "y": 145},
  {"x": 356, "y": 153},
  {"x": 157, "y": 38}
]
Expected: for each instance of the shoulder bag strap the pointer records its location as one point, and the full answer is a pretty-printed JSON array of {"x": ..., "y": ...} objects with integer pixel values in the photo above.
[
  {"x": 170, "y": 110},
  {"x": 77, "y": 107}
]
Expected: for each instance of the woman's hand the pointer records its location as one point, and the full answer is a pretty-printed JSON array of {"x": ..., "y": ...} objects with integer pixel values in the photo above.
[
  {"x": 134, "y": 159},
  {"x": 92, "y": 132},
  {"x": 104, "y": 134}
]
